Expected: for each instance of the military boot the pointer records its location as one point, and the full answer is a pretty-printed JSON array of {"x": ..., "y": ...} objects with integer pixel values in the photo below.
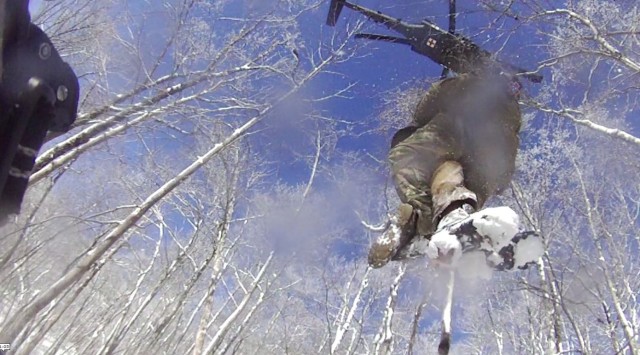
[
  {"x": 397, "y": 235},
  {"x": 454, "y": 213},
  {"x": 448, "y": 243}
]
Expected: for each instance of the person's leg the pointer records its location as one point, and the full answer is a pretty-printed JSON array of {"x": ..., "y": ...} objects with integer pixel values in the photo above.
[
  {"x": 450, "y": 199},
  {"x": 449, "y": 191},
  {"x": 413, "y": 163},
  {"x": 398, "y": 234}
]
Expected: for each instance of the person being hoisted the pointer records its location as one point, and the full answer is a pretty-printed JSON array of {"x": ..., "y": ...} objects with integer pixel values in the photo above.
[{"x": 459, "y": 150}]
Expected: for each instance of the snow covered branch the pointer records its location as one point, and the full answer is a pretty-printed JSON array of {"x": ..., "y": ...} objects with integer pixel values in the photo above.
[
  {"x": 573, "y": 115},
  {"x": 607, "y": 47}
]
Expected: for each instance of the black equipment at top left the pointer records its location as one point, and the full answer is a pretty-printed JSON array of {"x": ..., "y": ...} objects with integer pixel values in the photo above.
[{"x": 39, "y": 92}]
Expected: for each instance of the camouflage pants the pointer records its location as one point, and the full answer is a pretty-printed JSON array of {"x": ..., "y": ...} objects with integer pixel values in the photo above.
[{"x": 457, "y": 155}]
